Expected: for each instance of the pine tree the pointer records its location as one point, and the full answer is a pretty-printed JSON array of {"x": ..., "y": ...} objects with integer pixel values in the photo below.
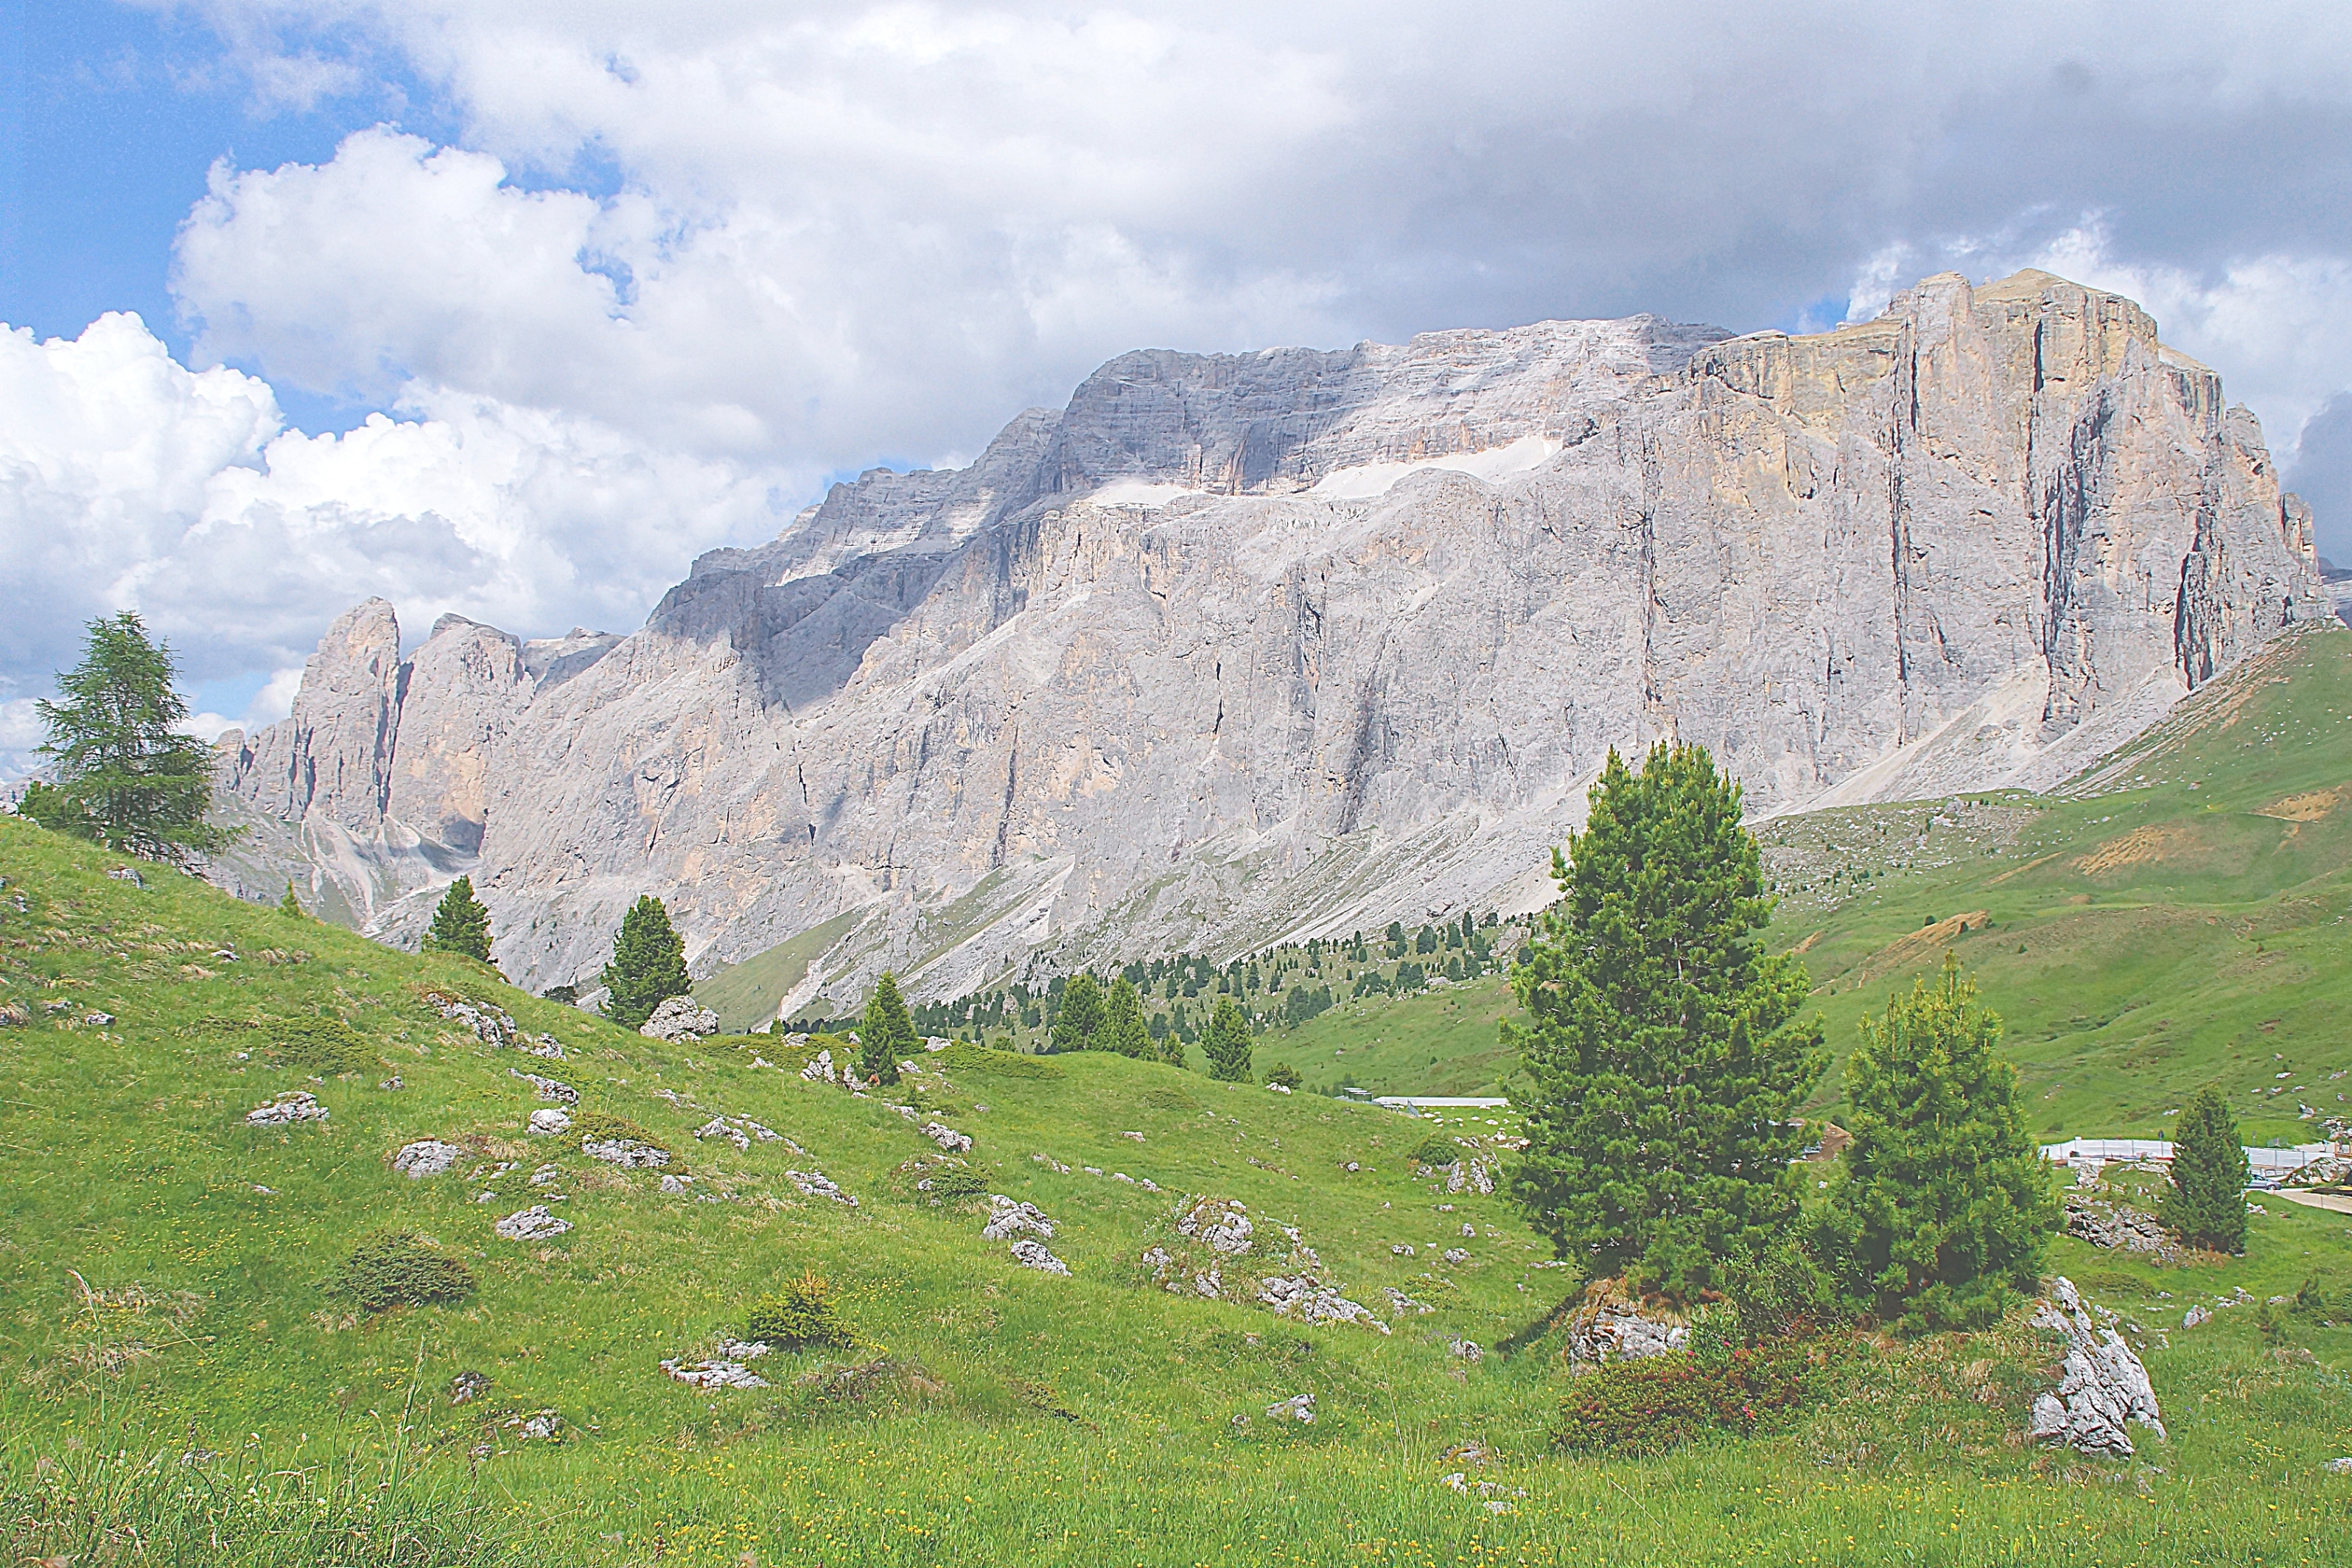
[
  {"x": 289, "y": 905},
  {"x": 1946, "y": 1202},
  {"x": 1079, "y": 1019},
  {"x": 460, "y": 925},
  {"x": 648, "y": 964},
  {"x": 1172, "y": 1049},
  {"x": 1227, "y": 1044},
  {"x": 887, "y": 1035},
  {"x": 1663, "y": 1042},
  {"x": 125, "y": 776},
  {"x": 1123, "y": 1028},
  {"x": 2206, "y": 1205}
]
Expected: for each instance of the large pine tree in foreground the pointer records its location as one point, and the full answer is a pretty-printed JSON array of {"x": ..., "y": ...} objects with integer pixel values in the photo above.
[
  {"x": 2206, "y": 1205},
  {"x": 1664, "y": 1045},
  {"x": 125, "y": 776},
  {"x": 460, "y": 924},
  {"x": 1940, "y": 1219},
  {"x": 648, "y": 964}
]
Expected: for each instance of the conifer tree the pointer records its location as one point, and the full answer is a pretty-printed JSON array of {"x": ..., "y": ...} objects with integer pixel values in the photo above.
[
  {"x": 648, "y": 964},
  {"x": 289, "y": 905},
  {"x": 1663, "y": 1043},
  {"x": 1123, "y": 1029},
  {"x": 125, "y": 776},
  {"x": 2206, "y": 1205},
  {"x": 459, "y": 925},
  {"x": 887, "y": 1035},
  {"x": 1079, "y": 1018},
  {"x": 1172, "y": 1049},
  {"x": 1941, "y": 1217},
  {"x": 1227, "y": 1043}
]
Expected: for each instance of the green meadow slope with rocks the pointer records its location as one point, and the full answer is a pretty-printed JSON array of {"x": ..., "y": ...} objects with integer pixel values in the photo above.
[{"x": 314, "y": 1251}]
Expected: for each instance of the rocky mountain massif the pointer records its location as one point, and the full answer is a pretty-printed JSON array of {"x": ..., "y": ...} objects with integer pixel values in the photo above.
[{"x": 1235, "y": 648}]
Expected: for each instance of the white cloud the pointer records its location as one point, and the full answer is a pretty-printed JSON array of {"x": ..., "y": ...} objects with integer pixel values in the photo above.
[{"x": 127, "y": 482}]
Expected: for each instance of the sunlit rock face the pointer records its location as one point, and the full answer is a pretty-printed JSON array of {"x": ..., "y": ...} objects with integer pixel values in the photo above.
[{"x": 1239, "y": 647}]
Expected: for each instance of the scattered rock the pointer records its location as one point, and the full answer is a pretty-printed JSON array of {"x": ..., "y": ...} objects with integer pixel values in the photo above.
[
  {"x": 543, "y": 1424},
  {"x": 813, "y": 1184},
  {"x": 426, "y": 1157},
  {"x": 1469, "y": 1229},
  {"x": 1467, "y": 1349},
  {"x": 2118, "y": 1225},
  {"x": 98, "y": 1020},
  {"x": 1307, "y": 1299},
  {"x": 1299, "y": 1407},
  {"x": 1476, "y": 1176},
  {"x": 2101, "y": 1387},
  {"x": 2339, "y": 1467},
  {"x": 820, "y": 1068},
  {"x": 947, "y": 1137},
  {"x": 675, "y": 1184},
  {"x": 629, "y": 1153},
  {"x": 2194, "y": 1315},
  {"x": 392, "y": 1082},
  {"x": 1609, "y": 1328},
  {"x": 548, "y": 1088},
  {"x": 1032, "y": 1254},
  {"x": 680, "y": 1020},
  {"x": 469, "y": 1386},
  {"x": 491, "y": 1025},
  {"x": 295, "y": 1105},
  {"x": 1402, "y": 1249},
  {"x": 715, "y": 1374},
  {"x": 1456, "y": 1257},
  {"x": 1008, "y": 1219},
  {"x": 127, "y": 874},
  {"x": 1222, "y": 1223},
  {"x": 737, "y": 1129},
  {"x": 1401, "y": 1303},
  {"x": 1050, "y": 1160},
  {"x": 546, "y": 1047},
  {"x": 551, "y": 1122},
  {"x": 13, "y": 1016},
  {"x": 533, "y": 1224}
]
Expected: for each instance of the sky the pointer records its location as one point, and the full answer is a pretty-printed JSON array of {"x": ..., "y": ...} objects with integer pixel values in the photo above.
[{"x": 511, "y": 310}]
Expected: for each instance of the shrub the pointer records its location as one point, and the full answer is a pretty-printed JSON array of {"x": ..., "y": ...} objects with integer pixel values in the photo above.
[
  {"x": 962, "y": 1057},
  {"x": 1663, "y": 1401},
  {"x": 953, "y": 1186},
  {"x": 320, "y": 1045},
  {"x": 799, "y": 1314},
  {"x": 397, "y": 1269},
  {"x": 1284, "y": 1075},
  {"x": 1437, "y": 1149}
]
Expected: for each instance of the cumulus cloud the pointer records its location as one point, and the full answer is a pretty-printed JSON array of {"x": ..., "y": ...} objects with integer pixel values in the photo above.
[
  {"x": 127, "y": 481},
  {"x": 657, "y": 269}
]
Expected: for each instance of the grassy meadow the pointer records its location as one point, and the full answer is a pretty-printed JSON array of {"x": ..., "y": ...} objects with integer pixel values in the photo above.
[{"x": 181, "y": 1389}]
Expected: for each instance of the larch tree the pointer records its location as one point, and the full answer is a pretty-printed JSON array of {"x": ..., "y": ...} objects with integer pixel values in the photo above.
[
  {"x": 1666, "y": 1047},
  {"x": 125, "y": 776}
]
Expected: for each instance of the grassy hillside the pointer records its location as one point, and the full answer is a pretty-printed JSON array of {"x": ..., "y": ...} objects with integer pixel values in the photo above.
[
  {"x": 181, "y": 1379},
  {"x": 2175, "y": 917}
]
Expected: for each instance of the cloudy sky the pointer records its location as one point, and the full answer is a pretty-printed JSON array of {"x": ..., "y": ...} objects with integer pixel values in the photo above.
[{"x": 513, "y": 308}]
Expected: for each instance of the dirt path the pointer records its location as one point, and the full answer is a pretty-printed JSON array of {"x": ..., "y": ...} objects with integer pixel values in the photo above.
[{"x": 2313, "y": 1200}]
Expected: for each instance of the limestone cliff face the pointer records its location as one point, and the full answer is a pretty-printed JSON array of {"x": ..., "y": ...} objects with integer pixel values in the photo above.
[{"x": 1239, "y": 647}]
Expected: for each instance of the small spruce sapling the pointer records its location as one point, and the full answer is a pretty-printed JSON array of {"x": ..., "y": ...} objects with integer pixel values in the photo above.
[
  {"x": 2206, "y": 1205},
  {"x": 290, "y": 906},
  {"x": 460, "y": 924},
  {"x": 887, "y": 1035}
]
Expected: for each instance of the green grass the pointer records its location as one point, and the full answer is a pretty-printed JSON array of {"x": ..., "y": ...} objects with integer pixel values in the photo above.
[
  {"x": 1439, "y": 1042},
  {"x": 746, "y": 995},
  {"x": 154, "y": 1302}
]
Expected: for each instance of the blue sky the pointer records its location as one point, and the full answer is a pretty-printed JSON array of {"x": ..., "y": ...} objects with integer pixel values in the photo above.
[{"x": 576, "y": 291}]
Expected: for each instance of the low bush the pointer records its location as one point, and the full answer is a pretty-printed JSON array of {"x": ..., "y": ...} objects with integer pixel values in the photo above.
[
  {"x": 799, "y": 1314},
  {"x": 1437, "y": 1149},
  {"x": 397, "y": 1269},
  {"x": 1663, "y": 1401},
  {"x": 324, "y": 1045},
  {"x": 1284, "y": 1075},
  {"x": 963, "y": 1058},
  {"x": 953, "y": 1186}
]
